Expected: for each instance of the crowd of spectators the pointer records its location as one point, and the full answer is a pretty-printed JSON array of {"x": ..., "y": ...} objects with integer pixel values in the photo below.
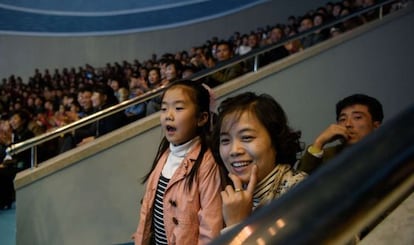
[{"x": 56, "y": 98}]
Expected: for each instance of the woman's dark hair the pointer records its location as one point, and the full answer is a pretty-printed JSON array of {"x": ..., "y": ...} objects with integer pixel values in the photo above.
[
  {"x": 201, "y": 99},
  {"x": 24, "y": 116},
  {"x": 270, "y": 114}
]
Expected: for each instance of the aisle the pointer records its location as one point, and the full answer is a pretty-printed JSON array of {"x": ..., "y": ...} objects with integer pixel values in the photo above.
[{"x": 8, "y": 226}]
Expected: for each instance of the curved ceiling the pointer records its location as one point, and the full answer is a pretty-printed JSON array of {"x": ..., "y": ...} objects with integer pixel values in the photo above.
[{"x": 106, "y": 17}]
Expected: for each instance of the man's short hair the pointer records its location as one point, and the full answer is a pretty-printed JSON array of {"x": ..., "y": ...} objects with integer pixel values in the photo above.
[
  {"x": 227, "y": 43},
  {"x": 374, "y": 106}
]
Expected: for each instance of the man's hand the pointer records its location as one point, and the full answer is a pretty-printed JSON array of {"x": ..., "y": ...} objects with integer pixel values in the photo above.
[{"x": 332, "y": 133}]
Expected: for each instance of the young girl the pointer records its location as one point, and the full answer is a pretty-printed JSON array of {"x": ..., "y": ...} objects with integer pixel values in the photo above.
[
  {"x": 254, "y": 142},
  {"x": 182, "y": 203}
]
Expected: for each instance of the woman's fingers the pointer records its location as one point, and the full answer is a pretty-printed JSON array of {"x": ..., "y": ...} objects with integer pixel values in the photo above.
[{"x": 253, "y": 180}]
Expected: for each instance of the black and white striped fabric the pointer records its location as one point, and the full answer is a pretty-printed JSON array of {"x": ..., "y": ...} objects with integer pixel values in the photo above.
[{"x": 158, "y": 217}]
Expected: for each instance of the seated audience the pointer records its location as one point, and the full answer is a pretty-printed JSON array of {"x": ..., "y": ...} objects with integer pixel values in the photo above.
[
  {"x": 295, "y": 45},
  {"x": 351, "y": 23},
  {"x": 5, "y": 137},
  {"x": 188, "y": 72},
  {"x": 371, "y": 15},
  {"x": 154, "y": 80},
  {"x": 173, "y": 71},
  {"x": 224, "y": 53},
  {"x": 85, "y": 102},
  {"x": 306, "y": 24},
  {"x": 70, "y": 140},
  {"x": 115, "y": 85},
  {"x": 14, "y": 132},
  {"x": 136, "y": 111},
  {"x": 336, "y": 10},
  {"x": 123, "y": 94},
  {"x": 243, "y": 47},
  {"x": 202, "y": 58},
  {"x": 54, "y": 87},
  {"x": 254, "y": 43},
  {"x": 319, "y": 20},
  {"x": 276, "y": 35},
  {"x": 103, "y": 98}
]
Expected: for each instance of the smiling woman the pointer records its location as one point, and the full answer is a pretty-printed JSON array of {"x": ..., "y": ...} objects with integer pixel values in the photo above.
[
  {"x": 108, "y": 17},
  {"x": 254, "y": 143}
]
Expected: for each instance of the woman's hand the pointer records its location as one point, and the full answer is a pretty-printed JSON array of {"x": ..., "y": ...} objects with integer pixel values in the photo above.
[{"x": 238, "y": 203}]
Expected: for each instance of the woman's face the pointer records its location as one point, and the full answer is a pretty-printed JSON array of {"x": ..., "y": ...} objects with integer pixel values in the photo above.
[
  {"x": 171, "y": 72},
  {"x": 143, "y": 73},
  {"x": 252, "y": 41},
  {"x": 98, "y": 99},
  {"x": 16, "y": 122},
  {"x": 114, "y": 85},
  {"x": 123, "y": 94},
  {"x": 276, "y": 35},
  {"x": 48, "y": 106},
  {"x": 30, "y": 101},
  {"x": 153, "y": 77},
  {"x": 223, "y": 52},
  {"x": 245, "y": 142},
  {"x": 317, "y": 20},
  {"x": 336, "y": 10}
]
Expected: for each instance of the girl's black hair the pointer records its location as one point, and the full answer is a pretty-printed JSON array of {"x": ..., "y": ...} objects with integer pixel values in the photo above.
[{"x": 201, "y": 99}]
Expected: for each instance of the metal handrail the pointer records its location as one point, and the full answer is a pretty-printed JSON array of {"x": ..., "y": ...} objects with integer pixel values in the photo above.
[{"x": 32, "y": 143}]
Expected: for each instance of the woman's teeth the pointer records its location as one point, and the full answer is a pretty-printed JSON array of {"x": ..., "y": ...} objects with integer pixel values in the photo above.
[{"x": 240, "y": 164}]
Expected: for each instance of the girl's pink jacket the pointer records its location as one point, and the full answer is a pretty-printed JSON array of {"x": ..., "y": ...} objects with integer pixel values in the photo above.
[{"x": 190, "y": 216}]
